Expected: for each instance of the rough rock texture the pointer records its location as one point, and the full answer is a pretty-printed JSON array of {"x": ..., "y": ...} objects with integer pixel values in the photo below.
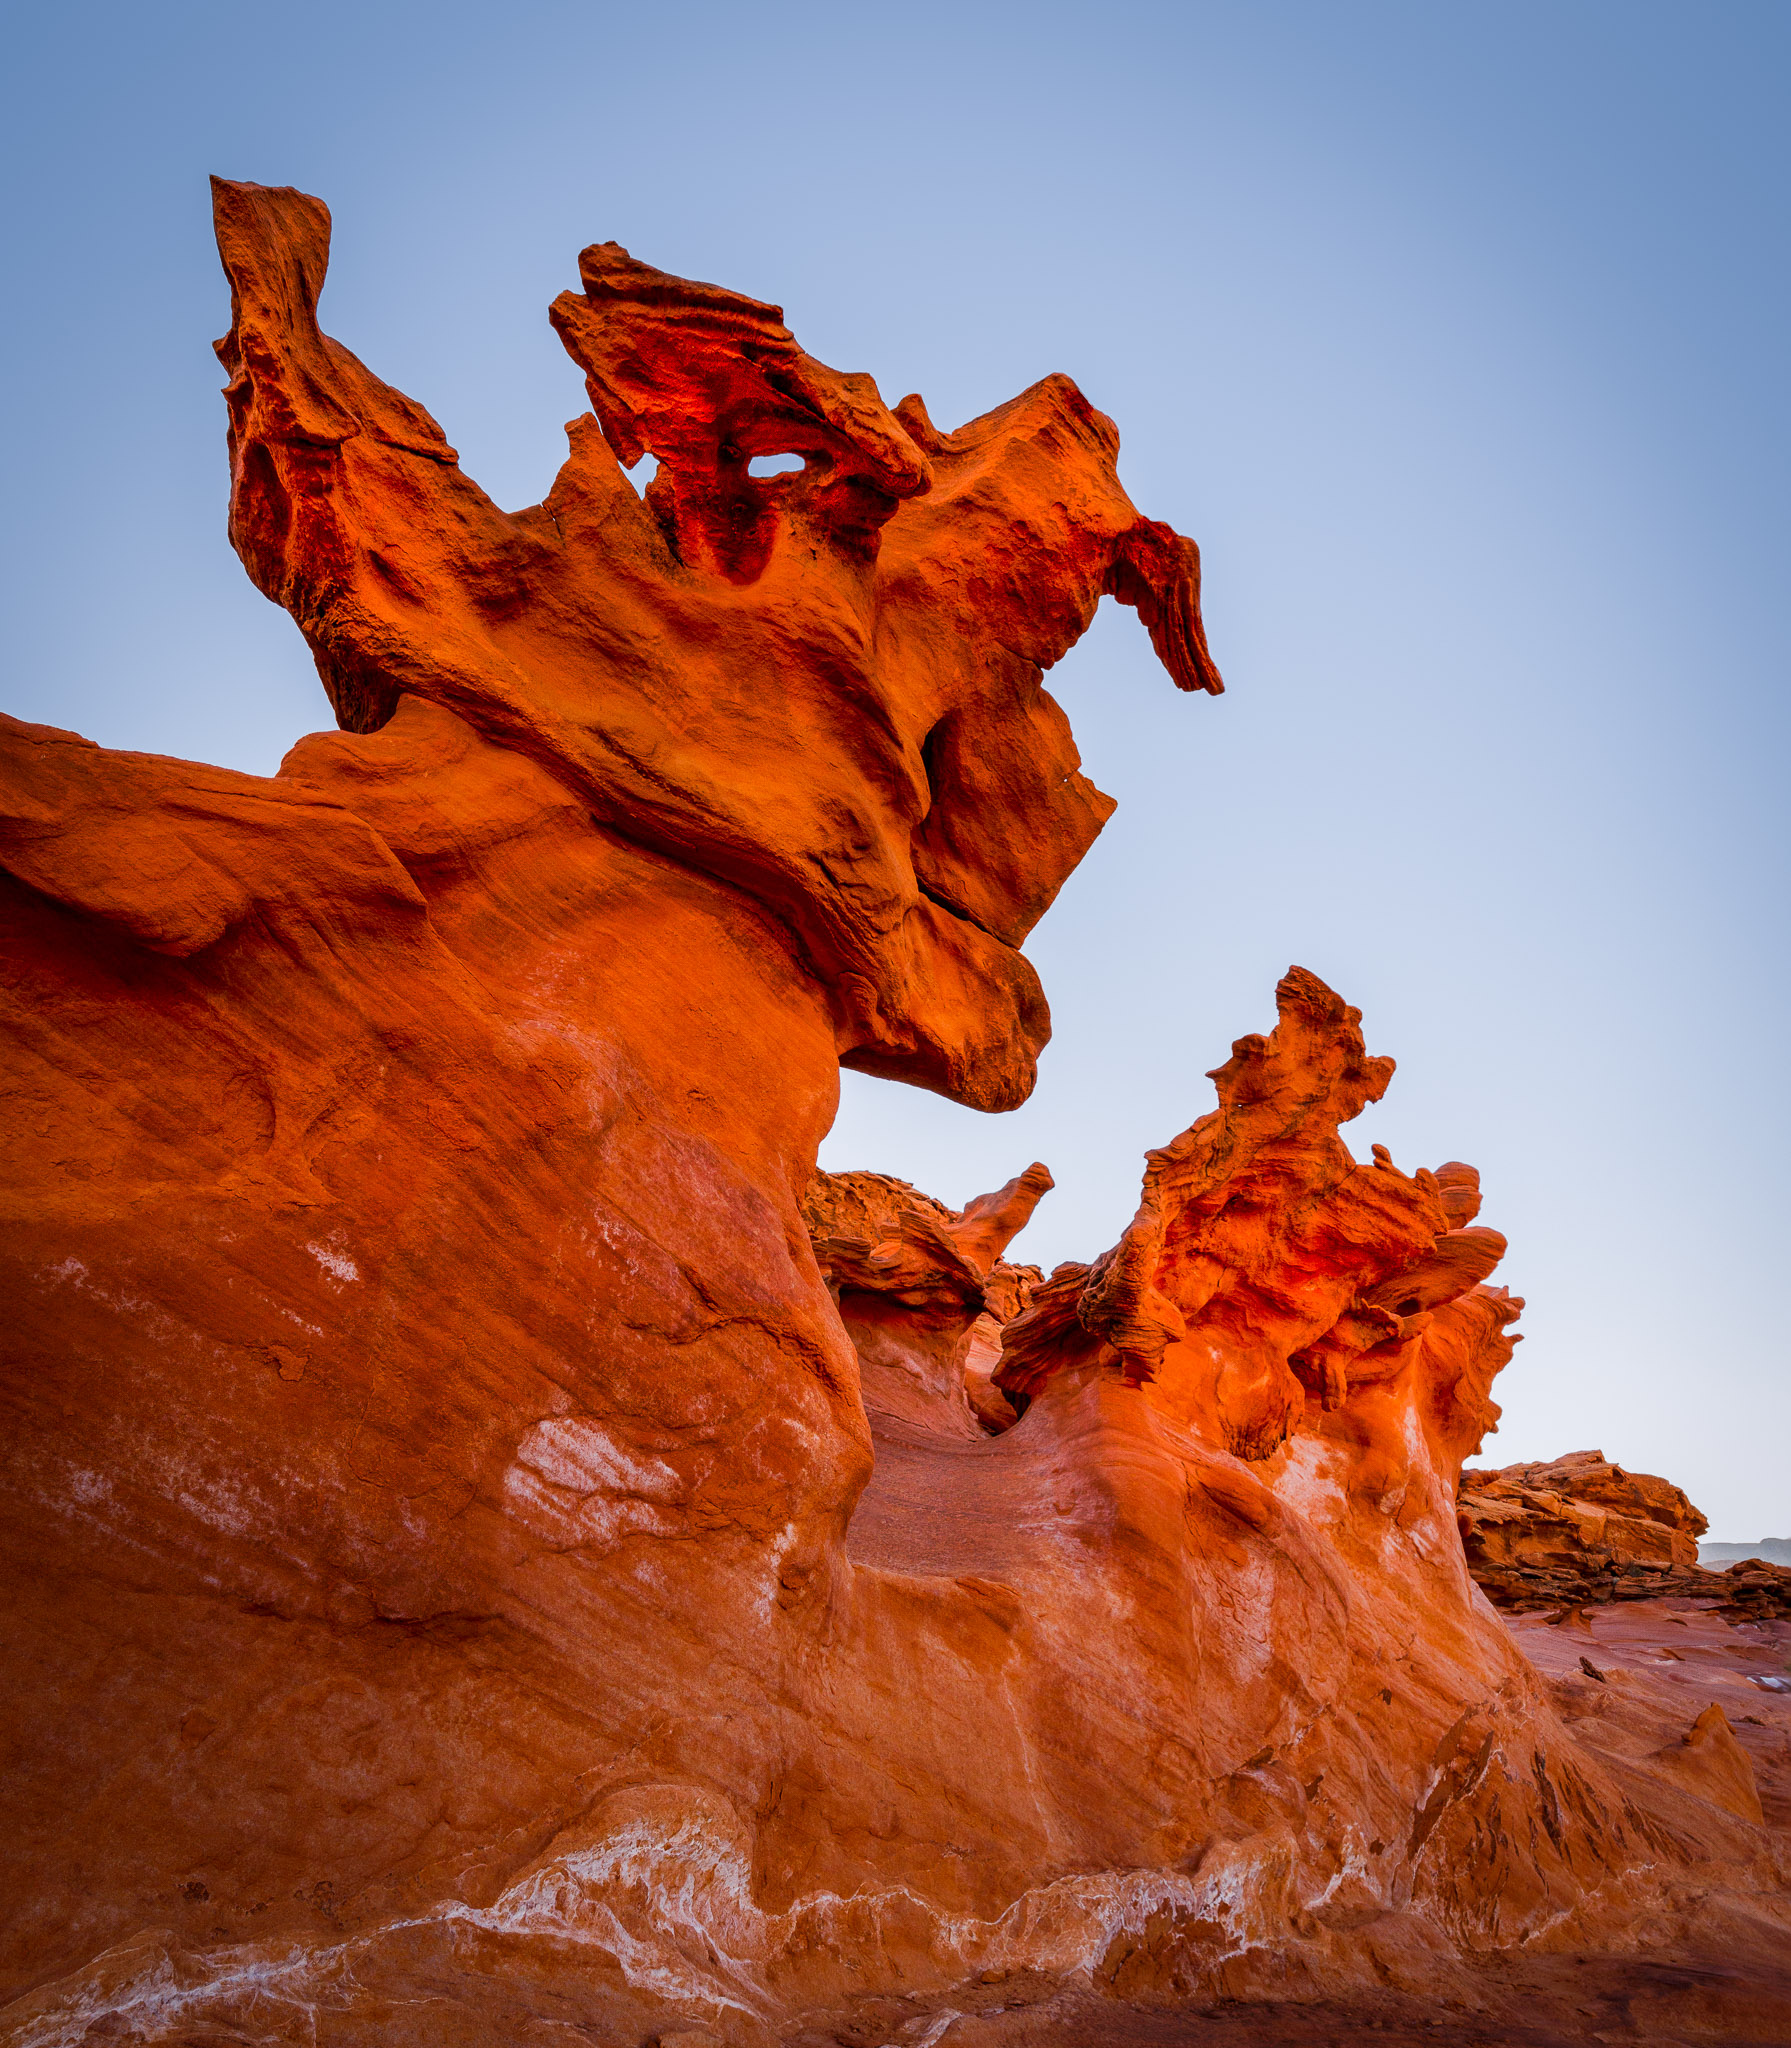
[
  {"x": 1581, "y": 1529},
  {"x": 1267, "y": 1276},
  {"x": 474, "y": 1572},
  {"x": 1575, "y": 1528},
  {"x": 924, "y": 1293}
]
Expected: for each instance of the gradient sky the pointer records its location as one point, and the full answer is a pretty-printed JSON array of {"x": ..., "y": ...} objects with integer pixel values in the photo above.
[{"x": 1455, "y": 333}]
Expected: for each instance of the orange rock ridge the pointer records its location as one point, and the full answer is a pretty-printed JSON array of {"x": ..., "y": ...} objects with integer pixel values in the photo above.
[
  {"x": 496, "y": 1544},
  {"x": 1582, "y": 1529},
  {"x": 1573, "y": 1527}
]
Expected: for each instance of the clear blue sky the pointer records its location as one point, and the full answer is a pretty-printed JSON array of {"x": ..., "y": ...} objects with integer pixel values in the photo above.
[{"x": 1456, "y": 334}]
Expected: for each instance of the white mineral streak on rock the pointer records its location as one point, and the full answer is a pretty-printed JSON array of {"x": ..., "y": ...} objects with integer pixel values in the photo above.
[
  {"x": 663, "y": 1887},
  {"x": 334, "y": 1262},
  {"x": 573, "y": 1484}
]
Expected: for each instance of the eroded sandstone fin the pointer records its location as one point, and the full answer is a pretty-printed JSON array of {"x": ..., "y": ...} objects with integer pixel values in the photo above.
[
  {"x": 1260, "y": 1241},
  {"x": 917, "y": 1284},
  {"x": 822, "y": 688}
]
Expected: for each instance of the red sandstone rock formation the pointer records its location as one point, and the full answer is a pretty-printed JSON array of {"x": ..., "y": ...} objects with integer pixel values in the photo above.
[
  {"x": 924, "y": 1292},
  {"x": 1574, "y": 1529},
  {"x": 474, "y": 1572},
  {"x": 1268, "y": 1280},
  {"x": 1581, "y": 1529}
]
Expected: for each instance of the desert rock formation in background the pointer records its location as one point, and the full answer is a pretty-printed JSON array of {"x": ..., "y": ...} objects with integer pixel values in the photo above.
[
  {"x": 1581, "y": 1529},
  {"x": 1578, "y": 1527},
  {"x": 1769, "y": 1550},
  {"x": 500, "y": 1550}
]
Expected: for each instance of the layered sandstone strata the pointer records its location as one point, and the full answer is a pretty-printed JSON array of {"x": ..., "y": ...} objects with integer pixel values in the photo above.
[
  {"x": 1580, "y": 1528},
  {"x": 476, "y": 1570},
  {"x": 1576, "y": 1528}
]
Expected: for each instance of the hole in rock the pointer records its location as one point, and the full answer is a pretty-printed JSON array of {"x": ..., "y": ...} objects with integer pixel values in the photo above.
[
  {"x": 930, "y": 749},
  {"x": 775, "y": 465}
]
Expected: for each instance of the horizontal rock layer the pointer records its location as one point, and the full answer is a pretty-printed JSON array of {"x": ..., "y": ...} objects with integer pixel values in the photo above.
[{"x": 1581, "y": 1529}]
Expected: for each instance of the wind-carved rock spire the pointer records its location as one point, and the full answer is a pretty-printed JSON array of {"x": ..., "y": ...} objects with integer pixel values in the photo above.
[
  {"x": 1268, "y": 1276},
  {"x": 822, "y": 687}
]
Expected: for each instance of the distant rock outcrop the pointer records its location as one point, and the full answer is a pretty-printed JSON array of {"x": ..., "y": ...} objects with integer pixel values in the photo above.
[
  {"x": 1575, "y": 1528},
  {"x": 1581, "y": 1529},
  {"x": 1769, "y": 1550}
]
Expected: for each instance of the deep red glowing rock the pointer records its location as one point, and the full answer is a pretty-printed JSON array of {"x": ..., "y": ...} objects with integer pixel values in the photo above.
[{"x": 495, "y": 1546}]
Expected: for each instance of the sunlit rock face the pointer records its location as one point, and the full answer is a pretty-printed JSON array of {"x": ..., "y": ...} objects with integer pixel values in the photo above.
[
  {"x": 1576, "y": 1528},
  {"x": 494, "y": 1544},
  {"x": 1581, "y": 1530}
]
